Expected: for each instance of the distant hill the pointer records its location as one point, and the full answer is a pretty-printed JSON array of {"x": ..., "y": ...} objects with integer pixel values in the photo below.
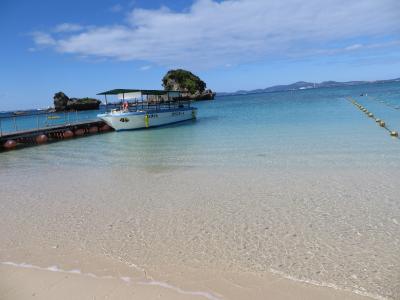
[{"x": 303, "y": 85}]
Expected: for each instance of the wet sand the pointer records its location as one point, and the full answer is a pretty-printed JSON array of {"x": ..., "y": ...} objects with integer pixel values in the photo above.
[
  {"x": 287, "y": 234},
  {"x": 27, "y": 281}
]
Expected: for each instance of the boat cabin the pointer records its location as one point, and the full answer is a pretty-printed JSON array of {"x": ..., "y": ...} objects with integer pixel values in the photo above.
[{"x": 134, "y": 99}]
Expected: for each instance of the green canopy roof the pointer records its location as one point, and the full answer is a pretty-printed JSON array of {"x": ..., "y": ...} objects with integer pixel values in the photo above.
[{"x": 144, "y": 92}]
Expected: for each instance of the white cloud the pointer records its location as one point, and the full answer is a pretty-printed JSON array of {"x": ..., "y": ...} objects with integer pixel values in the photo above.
[
  {"x": 68, "y": 27},
  {"x": 353, "y": 47},
  {"x": 234, "y": 31},
  {"x": 145, "y": 68},
  {"x": 116, "y": 8},
  {"x": 43, "y": 39}
]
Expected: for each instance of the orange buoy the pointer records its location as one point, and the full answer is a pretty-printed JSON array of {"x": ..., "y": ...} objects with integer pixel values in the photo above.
[
  {"x": 10, "y": 144},
  {"x": 41, "y": 139},
  {"x": 79, "y": 132},
  {"x": 68, "y": 134},
  {"x": 93, "y": 129},
  {"x": 105, "y": 128}
]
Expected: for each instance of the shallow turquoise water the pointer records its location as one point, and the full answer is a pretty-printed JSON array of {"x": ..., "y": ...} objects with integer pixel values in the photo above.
[
  {"x": 41, "y": 119},
  {"x": 301, "y": 183},
  {"x": 314, "y": 128}
]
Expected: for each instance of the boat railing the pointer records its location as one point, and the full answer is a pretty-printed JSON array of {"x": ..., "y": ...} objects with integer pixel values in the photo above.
[{"x": 152, "y": 105}]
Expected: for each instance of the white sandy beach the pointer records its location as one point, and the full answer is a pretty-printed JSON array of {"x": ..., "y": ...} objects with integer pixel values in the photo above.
[
  {"x": 200, "y": 150},
  {"x": 182, "y": 241}
]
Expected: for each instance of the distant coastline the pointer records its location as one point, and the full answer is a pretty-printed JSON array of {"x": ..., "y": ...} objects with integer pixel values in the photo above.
[
  {"x": 297, "y": 86},
  {"x": 304, "y": 85}
]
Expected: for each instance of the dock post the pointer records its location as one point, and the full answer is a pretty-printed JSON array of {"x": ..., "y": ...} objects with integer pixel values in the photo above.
[
  {"x": 105, "y": 96},
  {"x": 15, "y": 124}
]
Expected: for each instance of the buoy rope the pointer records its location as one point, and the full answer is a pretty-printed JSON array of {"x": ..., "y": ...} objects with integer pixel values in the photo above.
[
  {"x": 381, "y": 123},
  {"x": 390, "y": 105}
]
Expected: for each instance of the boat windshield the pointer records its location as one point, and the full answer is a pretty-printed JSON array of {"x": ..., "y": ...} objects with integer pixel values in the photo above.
[{"x": 145, "y": 100}]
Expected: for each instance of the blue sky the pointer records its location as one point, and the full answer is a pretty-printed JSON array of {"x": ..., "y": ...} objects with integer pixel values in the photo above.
[{"x": 87, "y": 46}]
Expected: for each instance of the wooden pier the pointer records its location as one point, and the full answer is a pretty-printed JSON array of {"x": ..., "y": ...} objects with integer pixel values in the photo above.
[{"x": 48, "y": 134}]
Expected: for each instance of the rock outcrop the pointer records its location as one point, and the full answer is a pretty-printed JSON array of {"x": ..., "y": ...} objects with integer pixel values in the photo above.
[
  {"x": 191, "y": 86},
  {"x": 62, "y": 103}
]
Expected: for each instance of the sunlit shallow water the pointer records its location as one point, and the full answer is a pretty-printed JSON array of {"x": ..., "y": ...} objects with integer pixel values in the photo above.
[{"x": 301, "y": 183}]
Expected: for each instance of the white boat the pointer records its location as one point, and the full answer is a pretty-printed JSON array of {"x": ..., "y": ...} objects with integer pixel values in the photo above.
[{"x": 147, "y": 108}]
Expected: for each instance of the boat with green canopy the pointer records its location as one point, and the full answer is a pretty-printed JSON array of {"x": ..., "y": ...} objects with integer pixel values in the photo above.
[{"x": 146, "y": 108}]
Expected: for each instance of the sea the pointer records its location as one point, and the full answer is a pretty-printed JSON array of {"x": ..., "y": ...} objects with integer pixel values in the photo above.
[{"x": 301, "y": 183}]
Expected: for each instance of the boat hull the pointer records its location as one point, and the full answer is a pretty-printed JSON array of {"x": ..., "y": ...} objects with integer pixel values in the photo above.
[{"x": 136, "y": 120}]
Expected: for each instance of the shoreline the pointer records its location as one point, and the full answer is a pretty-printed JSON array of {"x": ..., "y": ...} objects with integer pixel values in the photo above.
[
  {"x": 23, "y": 280},
  {"x": 65, "y": 225}
]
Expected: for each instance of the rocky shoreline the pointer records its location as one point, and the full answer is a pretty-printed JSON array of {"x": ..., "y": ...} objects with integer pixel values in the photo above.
[
  {"x": 63, "y": 103},
  {"x": 206, "y": 95}
]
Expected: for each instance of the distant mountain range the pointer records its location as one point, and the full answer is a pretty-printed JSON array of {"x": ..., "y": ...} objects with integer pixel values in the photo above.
[{"x": 303, "y": 85}]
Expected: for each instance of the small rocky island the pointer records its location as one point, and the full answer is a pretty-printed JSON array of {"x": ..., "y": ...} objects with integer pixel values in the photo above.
[
  {"x": 191, "y": 86},
  {"x": 63, "y": 103}
]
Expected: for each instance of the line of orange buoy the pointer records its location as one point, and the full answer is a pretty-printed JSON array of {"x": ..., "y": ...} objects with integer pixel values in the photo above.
[
  {"x": 380, "y": 122},
  {"x": 44, "y": 137}
]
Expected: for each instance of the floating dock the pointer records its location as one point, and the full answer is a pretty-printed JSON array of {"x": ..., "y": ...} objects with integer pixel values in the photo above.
[{"x": 42, "y": 135}]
